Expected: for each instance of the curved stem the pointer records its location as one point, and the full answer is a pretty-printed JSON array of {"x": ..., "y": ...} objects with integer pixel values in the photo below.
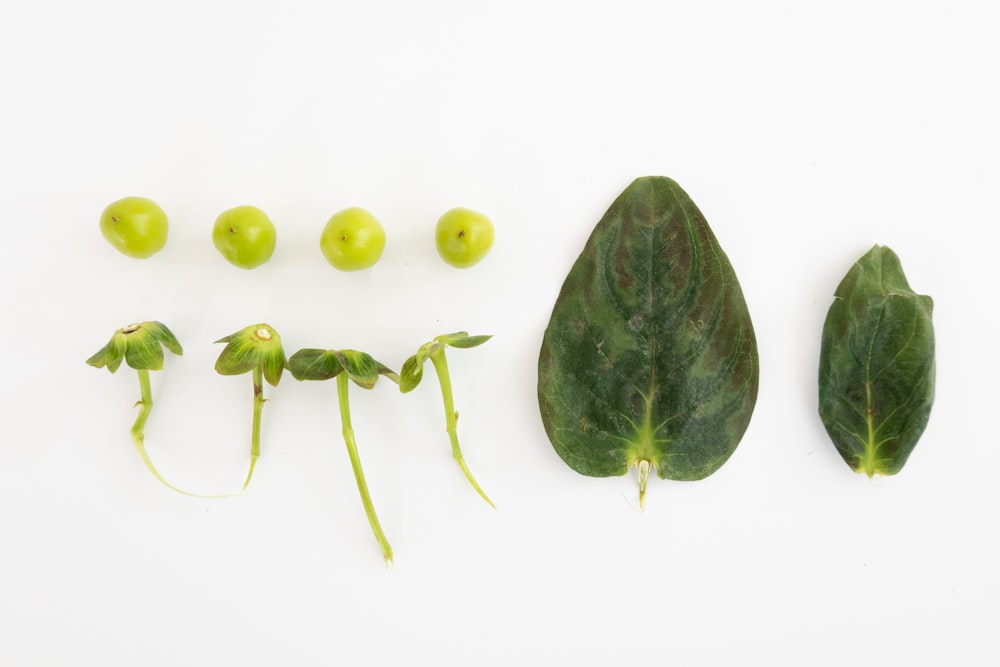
[
  {"x": 451, "y": 418},
  {"x": 258, "y": 407},
  {"x": 146, "y": 406},
  {"x": 359, "y": 474}
]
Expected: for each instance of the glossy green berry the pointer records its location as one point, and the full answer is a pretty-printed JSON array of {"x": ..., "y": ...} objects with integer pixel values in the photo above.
[
  {"x": 352, "y": 240},
  {"x": 463, "y": 237},
  {"x": 136, "y": 226},
  {"x": 245, "y": 236}
]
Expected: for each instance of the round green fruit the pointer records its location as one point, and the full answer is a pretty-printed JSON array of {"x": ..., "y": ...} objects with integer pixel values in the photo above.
[
  {"x": 245, "y": 236},
  {"x": 463, "y": 237},
  {"x": 352, "y": 240},
  {"x": 136, "y": 226}
]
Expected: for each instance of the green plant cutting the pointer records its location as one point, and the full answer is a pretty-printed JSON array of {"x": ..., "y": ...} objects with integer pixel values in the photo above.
[
  {"x": 364, "y": 371},
  {"x": 463, "y": 237},
  {"x": 245, "y": 236},
  {"x": 135, "y": 226},
  {"x": 876, "y": 370},
  {"x": 141, "y": 346},
  {"x": 352, "y": 240},
  {"x": 255, "y": 349},
  {"x": 649, "y": 359},
  {"x": 410, "y": 377}
]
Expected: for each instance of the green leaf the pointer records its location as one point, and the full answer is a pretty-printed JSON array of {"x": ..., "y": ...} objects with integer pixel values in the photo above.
[
  {"x": 876, "y": 372},
  {"x": 650, "y": 355},
  {"x": 314, "y": 364}
]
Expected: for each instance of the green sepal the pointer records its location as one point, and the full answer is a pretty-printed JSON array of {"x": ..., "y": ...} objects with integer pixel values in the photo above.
[
  {"x": 363, "y": 369},
  {"x": 109, "y": 356},
  {"x": 143, "y": 351},
  {"x": 255, "y": 346},
  {"x": 161, "y": 333},
  {"x": 410, "y": 374},
  {"x": 139, "y": 345},
  {"x": 314, "y": 364},
  {"x": 462, "y": 340}
]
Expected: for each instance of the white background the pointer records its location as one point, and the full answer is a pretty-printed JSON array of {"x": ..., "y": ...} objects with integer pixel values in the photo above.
[{"x": 806, "y": 132}]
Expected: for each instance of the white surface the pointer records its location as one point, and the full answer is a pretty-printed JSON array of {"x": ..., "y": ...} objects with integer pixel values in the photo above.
[{"x": 804, "y": 134}]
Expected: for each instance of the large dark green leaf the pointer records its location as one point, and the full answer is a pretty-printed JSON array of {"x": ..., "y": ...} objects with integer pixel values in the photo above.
[
  {"x": 876, "y": 370},
  {"x": 650, "y": 355}
]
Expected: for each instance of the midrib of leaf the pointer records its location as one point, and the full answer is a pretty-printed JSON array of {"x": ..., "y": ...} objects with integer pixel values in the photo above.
[{"x": 871, "y": 447}]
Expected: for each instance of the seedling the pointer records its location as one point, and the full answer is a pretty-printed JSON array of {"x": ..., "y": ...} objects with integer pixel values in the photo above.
[
  {"x": 413, "y": 371},
  {"x": 256, "y": 349},
  {"x": 314, "y": 364},
  {"x": 140, "y": 346}
]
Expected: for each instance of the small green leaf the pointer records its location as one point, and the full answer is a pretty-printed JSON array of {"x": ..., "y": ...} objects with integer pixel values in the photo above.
[
  {"x": 649, "y": 357},
  {"x": 314, "y": 364},
  {"x": 876, "y": 374}
]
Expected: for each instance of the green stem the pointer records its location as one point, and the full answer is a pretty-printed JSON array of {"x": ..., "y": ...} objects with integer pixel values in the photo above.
[
  {"x": 258, "y": 407},
  {"x": 359, "y": 474},
  {"x": 451, "y": 418},
  {"x": 146, "y": 406}
]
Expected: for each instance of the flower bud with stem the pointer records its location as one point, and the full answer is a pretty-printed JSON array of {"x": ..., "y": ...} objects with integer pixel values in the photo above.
[
  {"x": 255, "y": 349},
  {"x": 364, "y": 371},
  {"x": 412, "y": 372},
  {"x": 141, "y": 346}
]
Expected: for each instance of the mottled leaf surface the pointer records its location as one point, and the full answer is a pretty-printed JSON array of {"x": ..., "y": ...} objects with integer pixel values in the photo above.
[
  {"x": 876, "y": 374},
  {"x": 650, "y": 353}
]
